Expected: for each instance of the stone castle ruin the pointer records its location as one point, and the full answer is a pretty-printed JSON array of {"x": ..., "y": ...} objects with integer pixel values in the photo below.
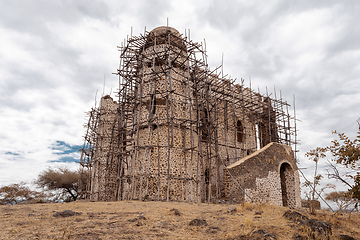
[{"x": 182, "y": 132}]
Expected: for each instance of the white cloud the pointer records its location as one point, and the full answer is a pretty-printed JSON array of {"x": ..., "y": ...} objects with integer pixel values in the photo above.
[{"x": 55, "y": 55}]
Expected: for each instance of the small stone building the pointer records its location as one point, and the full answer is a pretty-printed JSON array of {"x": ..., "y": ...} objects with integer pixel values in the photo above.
[
  {"x": 268, "y": 175},
  {"x": 179, "y": 131}
]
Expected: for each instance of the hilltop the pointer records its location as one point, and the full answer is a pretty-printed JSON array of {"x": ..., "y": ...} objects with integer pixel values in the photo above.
[{"x": 162, "y": 220}]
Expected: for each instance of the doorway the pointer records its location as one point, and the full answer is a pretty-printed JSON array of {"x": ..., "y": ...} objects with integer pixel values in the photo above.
[{"x": 287, "y": 179}]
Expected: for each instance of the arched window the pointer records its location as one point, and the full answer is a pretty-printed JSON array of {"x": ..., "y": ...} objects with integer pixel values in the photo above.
[
  {"x": 239, "y": 131},
  {"x": 207, "y": 176},
  {"x": 205, "y": 115}
]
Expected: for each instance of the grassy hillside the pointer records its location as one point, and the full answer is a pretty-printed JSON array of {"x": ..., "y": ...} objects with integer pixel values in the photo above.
[{"x": 159, "y": 220}]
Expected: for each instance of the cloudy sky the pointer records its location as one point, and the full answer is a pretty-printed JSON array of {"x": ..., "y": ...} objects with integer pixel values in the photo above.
[{"x": 55, "y": 56}]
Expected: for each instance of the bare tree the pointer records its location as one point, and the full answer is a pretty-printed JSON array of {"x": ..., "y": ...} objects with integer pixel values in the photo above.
[
  {"x": 343, "y": 199},
  {"x": 312, "y": 195}
]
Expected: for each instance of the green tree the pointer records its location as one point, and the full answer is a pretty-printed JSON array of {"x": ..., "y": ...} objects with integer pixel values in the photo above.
[
  {"x": 64, "y": 180},
  {"x": 346, "y": 153}
]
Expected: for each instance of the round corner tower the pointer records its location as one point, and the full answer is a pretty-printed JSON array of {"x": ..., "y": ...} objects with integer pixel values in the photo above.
[{"x": 163, "y": 161}]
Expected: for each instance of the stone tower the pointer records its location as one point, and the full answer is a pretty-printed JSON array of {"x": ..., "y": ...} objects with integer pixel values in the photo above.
[
  {"x": 182, "y": 132},
  {"x": 163, "y": 168}
]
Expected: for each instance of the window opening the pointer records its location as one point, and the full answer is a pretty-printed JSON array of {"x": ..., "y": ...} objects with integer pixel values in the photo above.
[
  {"x": 205, "y": 124},
  {"x": 153, "y": 104},
  {"x": 239, "y": 131}
]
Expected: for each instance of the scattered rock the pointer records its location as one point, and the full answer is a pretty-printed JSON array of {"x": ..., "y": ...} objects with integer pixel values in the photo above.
[
  {"x": 198, "y": 222},
  {"x": 176, "y": 211},
  {"x": 140, "y": 217},
  {"x": 262, "y": 234},
  {"x": 133, "y": 220},
  {"x": 232, "y": 209},
  {"x": 318, "y": 229},
  {"x": 213, "y": 230},
  {"x": 22, "y": 223},
  {"x": 162, "y": 224},
  {"x": 345, "y": 237},
  {"x": 139, "y": 220},
  {"x": 257, "y": 235},
  {"x": 298, "y": 237},
  {"x": 258, "y": 212},
  {"x": 66, "y": 213},
  {"x": 294, "y": 216},
  {"x": 146, "y": 198},
  {"x": 315, "y": 203}
]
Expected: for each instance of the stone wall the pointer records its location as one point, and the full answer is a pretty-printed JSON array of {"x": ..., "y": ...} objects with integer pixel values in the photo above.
[
  {"x": 104, "y": 175},
  {"x": 267, "y": 176},
  {"x": 162, "y": 167},
  {"x": 191, "y": 137}
]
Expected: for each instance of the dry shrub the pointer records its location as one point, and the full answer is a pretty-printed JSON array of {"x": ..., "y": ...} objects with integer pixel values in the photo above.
[
  {"x": 248, "y": 222},
  {"x": 19, "y": 193}
]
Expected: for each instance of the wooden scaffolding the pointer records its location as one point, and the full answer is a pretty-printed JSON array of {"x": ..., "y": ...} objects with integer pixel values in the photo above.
[{"x": 176, "y": 123}]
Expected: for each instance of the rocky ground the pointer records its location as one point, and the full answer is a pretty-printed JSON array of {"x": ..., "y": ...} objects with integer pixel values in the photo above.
[{"x": 171, "y": 220}]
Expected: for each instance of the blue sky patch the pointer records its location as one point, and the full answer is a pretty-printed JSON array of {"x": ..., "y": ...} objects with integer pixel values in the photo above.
[
  {"x": 12, "y": 153},
  {"x": 67, "y": 153}
]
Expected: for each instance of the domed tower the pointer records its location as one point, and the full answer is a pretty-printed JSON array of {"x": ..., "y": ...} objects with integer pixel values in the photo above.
[{"x": 163, "y": 165}]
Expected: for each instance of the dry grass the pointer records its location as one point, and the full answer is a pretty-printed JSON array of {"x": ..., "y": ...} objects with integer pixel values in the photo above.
[{"x": 110, "y": 220}]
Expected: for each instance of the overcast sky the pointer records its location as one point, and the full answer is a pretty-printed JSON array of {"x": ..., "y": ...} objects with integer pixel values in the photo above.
[{"x": 55, "y": 55}]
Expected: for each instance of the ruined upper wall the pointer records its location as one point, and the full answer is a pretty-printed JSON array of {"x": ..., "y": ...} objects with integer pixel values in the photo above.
[{"x": 268, "y": 175}]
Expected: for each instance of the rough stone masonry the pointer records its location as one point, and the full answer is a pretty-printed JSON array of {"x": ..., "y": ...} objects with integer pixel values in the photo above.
[{"x": 182, "y": 132}]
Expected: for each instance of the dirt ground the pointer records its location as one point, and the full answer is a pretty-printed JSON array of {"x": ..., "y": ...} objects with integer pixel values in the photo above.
[{"x": 157, "y": 220}]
